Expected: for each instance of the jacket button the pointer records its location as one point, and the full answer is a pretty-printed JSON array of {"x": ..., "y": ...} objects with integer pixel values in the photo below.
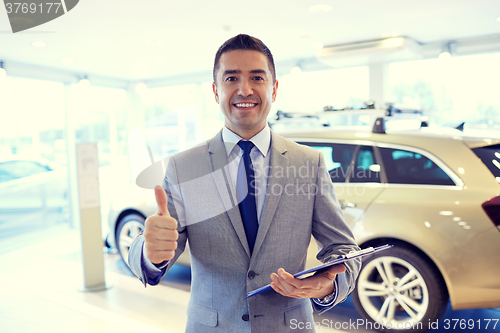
[
  {"x": 251, "y": 275},
  {"x": 245, "y": 317}
]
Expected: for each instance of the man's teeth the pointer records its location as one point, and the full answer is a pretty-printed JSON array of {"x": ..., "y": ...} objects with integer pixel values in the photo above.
[{"x": 245, "y": 105}]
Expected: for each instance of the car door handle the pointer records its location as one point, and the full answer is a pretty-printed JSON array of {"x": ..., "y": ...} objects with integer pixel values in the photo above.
[{"x": 346, "y": 204}]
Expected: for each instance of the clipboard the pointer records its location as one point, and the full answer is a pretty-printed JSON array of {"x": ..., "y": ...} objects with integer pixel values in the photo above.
[{"x": 339, "y": 260}]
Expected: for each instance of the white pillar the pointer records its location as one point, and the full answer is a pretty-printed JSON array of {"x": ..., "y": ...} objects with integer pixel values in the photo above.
[
  {"x": 90, "y": 217},
  {"x": 74, "y": 217},
  {"x": 378, "y": 82}
]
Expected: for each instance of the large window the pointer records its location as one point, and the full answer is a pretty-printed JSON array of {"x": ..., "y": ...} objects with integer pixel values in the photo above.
[
  {"x": 99, "y": 115},
  {"x": 311, "y": 91},
  {"x": 463, "y": 88},
  {"x": 33, "y": 176}
]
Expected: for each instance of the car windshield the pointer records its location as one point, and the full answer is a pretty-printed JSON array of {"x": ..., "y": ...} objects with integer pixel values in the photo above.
[{"x": 490, "y": 155}]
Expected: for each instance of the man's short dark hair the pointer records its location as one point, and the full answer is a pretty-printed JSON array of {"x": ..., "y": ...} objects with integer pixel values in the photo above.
[{"x": 244, "y": 42}]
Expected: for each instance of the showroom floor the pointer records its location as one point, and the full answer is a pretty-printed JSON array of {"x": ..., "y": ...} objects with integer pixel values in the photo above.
[{"x": 41, "y": 281}]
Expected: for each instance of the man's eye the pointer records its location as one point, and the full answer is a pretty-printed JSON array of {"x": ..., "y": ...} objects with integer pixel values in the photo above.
[
  {"x": 231, "y": 78},
  {"x": 258, "y": 78}
]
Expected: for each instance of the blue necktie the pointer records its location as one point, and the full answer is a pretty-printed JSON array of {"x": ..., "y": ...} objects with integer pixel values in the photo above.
[{"x": 248, "y": 207}]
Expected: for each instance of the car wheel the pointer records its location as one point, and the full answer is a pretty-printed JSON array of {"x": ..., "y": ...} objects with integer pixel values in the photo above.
[
  {"x": 400, "y": 292},
  {"x": 128, "y": 229}
]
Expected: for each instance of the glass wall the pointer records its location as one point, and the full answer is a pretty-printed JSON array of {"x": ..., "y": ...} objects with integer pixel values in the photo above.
[
  {"x": 33, "y": 172},
  {"x": 450, "y": 91},
  {"x": 34, "y": 190},
  {"x": 311, "y": 91}
]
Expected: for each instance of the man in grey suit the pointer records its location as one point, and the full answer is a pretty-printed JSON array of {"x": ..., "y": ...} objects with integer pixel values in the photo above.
[{"x": 236, "y": 249}]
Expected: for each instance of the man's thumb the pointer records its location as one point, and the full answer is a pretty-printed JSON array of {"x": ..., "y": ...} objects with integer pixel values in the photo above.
[{"x": 161, "y": 201}]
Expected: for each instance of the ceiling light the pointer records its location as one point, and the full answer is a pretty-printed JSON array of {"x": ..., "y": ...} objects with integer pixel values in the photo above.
[
  {"x": 447, "y": 51},
  {"x": 498, "y": 19},
  {"x": 295, "y": 70},
  {"x": 141, "y": 88},
  {"x": 320, "y": 8},
  {"x": 317, "y": 45},
  {"x": 39, "y": 44},
  {"x": 84, "y": 82},
  {"x": 445, "y": 55},
  {"x": 496, "y": 163},
  {"x": 3, "y": 72},
  {"x": 67, "y": 61}
]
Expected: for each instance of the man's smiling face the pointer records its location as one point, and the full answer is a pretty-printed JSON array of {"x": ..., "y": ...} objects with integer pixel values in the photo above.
[{"x": 245, "y": 91}]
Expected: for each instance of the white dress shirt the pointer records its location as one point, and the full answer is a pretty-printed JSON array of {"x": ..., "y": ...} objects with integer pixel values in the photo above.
[{"x": 260, "y": 156}]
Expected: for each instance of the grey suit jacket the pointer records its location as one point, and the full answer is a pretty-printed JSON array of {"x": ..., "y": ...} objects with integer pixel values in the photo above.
[{"x": 300, "y": 202}]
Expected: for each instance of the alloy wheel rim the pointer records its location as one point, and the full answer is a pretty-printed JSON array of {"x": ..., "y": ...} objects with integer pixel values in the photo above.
[
  {"x": 393, "y": 292},
  {"x": 128, "y": 233}
]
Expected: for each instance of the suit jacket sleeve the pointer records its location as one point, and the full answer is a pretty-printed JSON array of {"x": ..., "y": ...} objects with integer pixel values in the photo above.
[
  {"x": 136, "y": 258},
  {"x": 332, "y": 234}
]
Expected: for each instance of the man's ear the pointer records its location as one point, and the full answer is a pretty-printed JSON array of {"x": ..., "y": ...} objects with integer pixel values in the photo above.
[
  {"x": 214, "y": 88},
  {"x": 275, "y": 89}
]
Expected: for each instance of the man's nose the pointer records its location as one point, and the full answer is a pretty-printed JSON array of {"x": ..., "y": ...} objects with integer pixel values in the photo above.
[{"x": 245, "y": 88}]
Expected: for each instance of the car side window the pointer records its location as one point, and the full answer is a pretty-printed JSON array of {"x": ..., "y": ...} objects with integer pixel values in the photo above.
[
  {"x": 366, "y": 169},
  {"x": 407, "y": 167},
  {"x": 338, "y": 158}
]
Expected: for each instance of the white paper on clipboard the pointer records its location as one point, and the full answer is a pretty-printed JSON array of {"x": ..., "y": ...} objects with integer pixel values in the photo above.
[{"x": 339, "y": 260}]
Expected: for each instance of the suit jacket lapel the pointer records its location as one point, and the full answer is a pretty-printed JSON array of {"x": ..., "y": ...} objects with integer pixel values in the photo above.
[
  {"x": 275, "y": 186},
  {"x": 218, "y": 164}
]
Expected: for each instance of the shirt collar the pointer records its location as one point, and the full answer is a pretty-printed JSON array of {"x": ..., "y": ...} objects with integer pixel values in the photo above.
[{"x": 261, "y": 140}]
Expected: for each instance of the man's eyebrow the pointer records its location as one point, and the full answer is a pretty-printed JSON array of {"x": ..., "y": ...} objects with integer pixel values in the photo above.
[
  {"x": 258, "y": 71},
  {"x": 237, "y": 71},
  {"x": 231, "y": 71}
]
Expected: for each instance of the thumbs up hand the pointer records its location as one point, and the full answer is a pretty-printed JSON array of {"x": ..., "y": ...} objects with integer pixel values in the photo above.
[{"x": 160, "y": 231}]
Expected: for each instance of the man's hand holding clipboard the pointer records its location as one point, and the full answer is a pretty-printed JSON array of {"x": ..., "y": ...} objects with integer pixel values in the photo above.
[{"x": 339, "y": 260}]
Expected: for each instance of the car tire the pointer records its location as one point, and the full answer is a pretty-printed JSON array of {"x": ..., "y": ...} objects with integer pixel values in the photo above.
[
  {"x": 399, "y": 291},
  {"x": 128, "y": 229}
]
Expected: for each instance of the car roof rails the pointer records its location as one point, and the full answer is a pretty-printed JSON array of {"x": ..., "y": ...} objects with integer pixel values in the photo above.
[
  {"x": 393, "y": 109},
  {"x": 377, "y": 118},
  {"x": 282, "y": 115}
]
